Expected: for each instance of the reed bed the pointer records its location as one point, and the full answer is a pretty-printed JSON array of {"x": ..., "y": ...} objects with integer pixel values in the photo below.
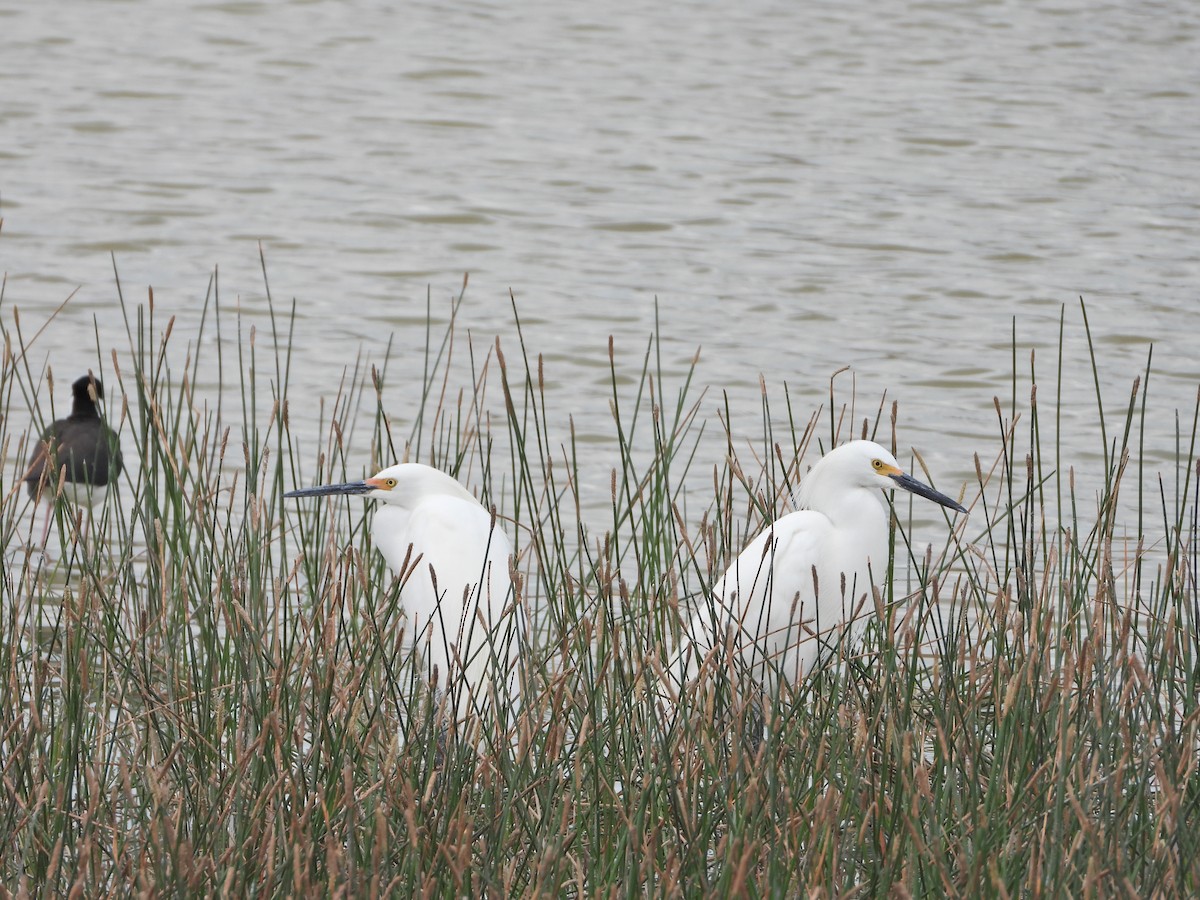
[{"x": 205, "y": 688}]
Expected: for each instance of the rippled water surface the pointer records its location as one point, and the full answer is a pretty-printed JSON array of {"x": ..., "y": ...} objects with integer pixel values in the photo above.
[{"x": 801, "y": 186}]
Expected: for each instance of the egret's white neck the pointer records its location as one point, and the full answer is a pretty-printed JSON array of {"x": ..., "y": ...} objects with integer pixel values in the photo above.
[{"x": 844, "y": 508}]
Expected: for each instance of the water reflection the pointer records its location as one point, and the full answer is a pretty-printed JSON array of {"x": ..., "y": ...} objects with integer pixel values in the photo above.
[{"x": 798, "y": 190}]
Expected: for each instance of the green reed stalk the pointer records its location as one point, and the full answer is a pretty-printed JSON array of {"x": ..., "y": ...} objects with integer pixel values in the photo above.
[{"x": 218, "y": 697}]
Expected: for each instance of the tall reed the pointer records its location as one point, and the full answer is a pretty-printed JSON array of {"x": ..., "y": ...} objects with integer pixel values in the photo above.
[{"x": 206, "y": 688}]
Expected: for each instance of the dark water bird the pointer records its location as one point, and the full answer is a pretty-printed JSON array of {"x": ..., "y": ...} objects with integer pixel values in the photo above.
[
  {"x": 80, "y": 450},
  {"x": 807, "y": 579},
  {"x": 464, "y": 620}
]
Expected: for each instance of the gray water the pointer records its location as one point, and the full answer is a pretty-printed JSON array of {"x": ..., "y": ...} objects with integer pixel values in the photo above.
[{"x": 799, "y": 186}]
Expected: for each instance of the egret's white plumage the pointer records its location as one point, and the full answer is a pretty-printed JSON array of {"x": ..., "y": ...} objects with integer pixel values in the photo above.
[
  {"x": 807, "y": 578},
  {"x": 463, "y": 619}
]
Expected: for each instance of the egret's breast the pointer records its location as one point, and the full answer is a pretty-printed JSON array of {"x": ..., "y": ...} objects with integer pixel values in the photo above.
[{"x": 393, "y": 536}]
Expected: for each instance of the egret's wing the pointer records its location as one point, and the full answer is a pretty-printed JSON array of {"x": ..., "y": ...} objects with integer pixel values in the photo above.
[
  {"x": 458, "y": 593},
  {"x": 767, "y": 589},
  {"x": 763, "y": 605},
  {"x": 459, "y": 552}
]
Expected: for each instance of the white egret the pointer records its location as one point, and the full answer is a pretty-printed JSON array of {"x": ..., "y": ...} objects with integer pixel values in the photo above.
[
  {"x": 80, "y": 450},
  {"x": 806, "y": 579},
  {"x": 464, "y": 620}
]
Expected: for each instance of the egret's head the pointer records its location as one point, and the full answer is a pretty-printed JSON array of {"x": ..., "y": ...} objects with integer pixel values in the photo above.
[
  {"x": 866, "y": 464},
  {"x": 405, "y": 484},
  {"x": 378, "y": 487}
]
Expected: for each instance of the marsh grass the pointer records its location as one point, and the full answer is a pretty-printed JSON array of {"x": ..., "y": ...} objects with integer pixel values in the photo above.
[{"x": 206, "y": 690}]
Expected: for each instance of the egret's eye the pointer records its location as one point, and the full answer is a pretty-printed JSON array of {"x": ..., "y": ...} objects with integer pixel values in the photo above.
[
  {"x": 390, "y": 482},
  {"x": 878, "y": 464}
]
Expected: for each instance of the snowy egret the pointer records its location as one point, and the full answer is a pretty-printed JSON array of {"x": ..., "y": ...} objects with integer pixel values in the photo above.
[
  {"x": 807, "y": 578},
  {"x": 453, "y": 562},
  {"x": 80, "y": 450}
]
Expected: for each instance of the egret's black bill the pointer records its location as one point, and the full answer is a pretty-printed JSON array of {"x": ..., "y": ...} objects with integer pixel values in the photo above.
[
  {"x": 923, "y": 490},
  {"x": 324, "y": 490}
]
